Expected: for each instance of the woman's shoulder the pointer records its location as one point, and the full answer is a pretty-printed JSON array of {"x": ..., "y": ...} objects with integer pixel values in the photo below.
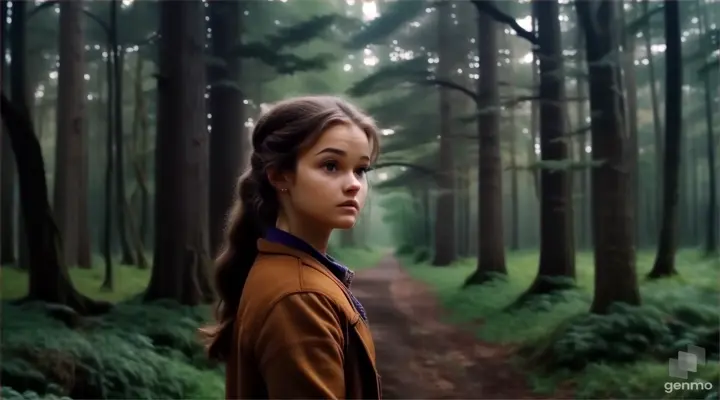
[{"x": 276, "y": 278}]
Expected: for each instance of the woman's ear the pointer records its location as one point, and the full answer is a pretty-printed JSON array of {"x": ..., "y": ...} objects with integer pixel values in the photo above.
[{"x": 278, "y": 179}]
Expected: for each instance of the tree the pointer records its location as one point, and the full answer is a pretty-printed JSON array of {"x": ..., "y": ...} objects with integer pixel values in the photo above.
[
  {"x": 117, "y": 56},
  {"x": 491, "y": 254},
  {"x": 229, "y": 145},
  {"x": 7, "y": 164},
  {"x": 70, "y": 200},
  {"x": 49, "y": 279},
  {"x": 181, "y": 259},
  {"x": 557, "y": 253},
  {"x": 665, "y": 258},
  {"x": 445, "y": 203},
  {"x": 711, "y": 234},
  {"x": 612, "y": 217}
]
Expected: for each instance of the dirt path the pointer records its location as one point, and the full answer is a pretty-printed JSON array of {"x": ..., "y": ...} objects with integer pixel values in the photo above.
[{"x": 422, "y": 358}]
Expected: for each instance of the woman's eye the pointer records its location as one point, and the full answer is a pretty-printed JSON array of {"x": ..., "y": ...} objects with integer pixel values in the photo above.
[{"x": 331, "y": 166}]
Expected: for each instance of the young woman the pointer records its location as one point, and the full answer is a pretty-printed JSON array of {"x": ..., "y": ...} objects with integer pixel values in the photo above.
[{"x": 288, "y": 325}]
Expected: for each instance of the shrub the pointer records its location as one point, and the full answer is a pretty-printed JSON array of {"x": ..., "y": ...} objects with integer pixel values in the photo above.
[
  {"x": 137, "y": 351},
  {"x": 629, "y": 334}
]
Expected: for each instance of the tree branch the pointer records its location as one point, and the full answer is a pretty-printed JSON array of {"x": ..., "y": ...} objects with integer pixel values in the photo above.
[
  {"x": 485, "y": 7},
  {"x": 451, "y": 85},
  {"x": 520, "y": 99}
]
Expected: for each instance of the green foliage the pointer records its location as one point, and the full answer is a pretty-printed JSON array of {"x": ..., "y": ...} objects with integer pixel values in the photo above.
[
  {"x": 9, "y": 394},
  {"x": 298, "y": 34},
  {"x": 396, "y": 15},
  {"x": 619, "y": 355},
  {"x": 269, "y": 50},
  {"x": 283, "y": 63},
  {"x": 629, "y": 334},
  {"x": 391, "y": 75},
  {"x": 138, "y": 351}
]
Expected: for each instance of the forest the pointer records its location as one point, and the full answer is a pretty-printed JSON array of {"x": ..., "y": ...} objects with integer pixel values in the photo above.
[{"x": 543, "y": 217}]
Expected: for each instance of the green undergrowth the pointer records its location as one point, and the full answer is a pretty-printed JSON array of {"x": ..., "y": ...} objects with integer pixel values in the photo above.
[
  {"x": 620, "y": 355},
  {"x": 136, "y": 351}
]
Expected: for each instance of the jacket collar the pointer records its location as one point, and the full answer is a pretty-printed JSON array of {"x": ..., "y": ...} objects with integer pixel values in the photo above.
[
  {"x": 284, "y": 243},
  {"x": 268, "y": 247},
  {"x": 323, "y": 263}
]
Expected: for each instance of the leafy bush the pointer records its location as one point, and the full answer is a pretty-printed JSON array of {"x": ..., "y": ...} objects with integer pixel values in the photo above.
[
  {"x": 8, "y": 393},
  {"x": 137, "y": 351},
  {"x": 629, "y": 334}
]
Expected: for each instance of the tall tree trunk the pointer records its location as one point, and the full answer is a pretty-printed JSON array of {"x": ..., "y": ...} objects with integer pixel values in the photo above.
[
  {"x": 181, "y": 255},
  {"x": 665, "y": 259},
  {"x": 48, "y": 278},
  {"x": 140, "y": 150},
  {"x": 582, "y": 142},
  {"x": 711, "y": 235},
  {"x": 7, "y": 202},
  {"x": 108, "y": 281},
  {"x": 70, "y": 173},
  {"x": 512, "y": 133},
  {"x": 657, "y": 124},
  {"x": 228, "y": 153},
  {"x": 612, "y": 219},
  {"x": 444, "y": 253},
  {"x": 557, "y": 253},
  {"x": 18, "y": 85},
  {"x": 140, "y": 139},
  {"x": 630, "y": 84},
  {"x": 118, "y": 61},
  {"x": 534, "y": 116},
  {"x": 491, "y": 254}
]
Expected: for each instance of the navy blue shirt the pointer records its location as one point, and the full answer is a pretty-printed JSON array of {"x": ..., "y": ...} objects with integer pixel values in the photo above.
[{"x": 343, "y": 273}]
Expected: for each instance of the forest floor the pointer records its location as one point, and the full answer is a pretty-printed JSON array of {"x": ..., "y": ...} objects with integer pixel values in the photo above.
[{"x": 419, "y": 356}]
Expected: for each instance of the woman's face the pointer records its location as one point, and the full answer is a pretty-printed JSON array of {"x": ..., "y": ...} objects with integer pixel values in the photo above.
[{"x": 329, "y": 185}]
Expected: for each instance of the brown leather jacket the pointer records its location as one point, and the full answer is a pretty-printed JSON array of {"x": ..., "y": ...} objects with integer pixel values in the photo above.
[{"x": 299, "y": 335}]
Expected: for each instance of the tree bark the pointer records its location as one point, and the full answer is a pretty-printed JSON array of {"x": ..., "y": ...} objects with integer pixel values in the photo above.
[
  {"x": 228, "y": 142},
  {"x": 108, "y": 281},
  {"x": 121, "y": 212},
  {"x": 628, "y": 43},
  {"x": 48, "y": 278},
  {"x": 657, "y": 124},
  {"x": 582, "y": 142},
  {"x": 18, "y": 90},
  {"x": 491, "y": 254},
  {"x": 711, "y": 235},
  {"x": 557, "y": 253},
  {"x": 70, "y": 187},
  {"x": 665, "y": 259},
  {"x": 612, "y": 219},
  {"x": 444, "y": 245},
  {"x": 181, "y": 257}
]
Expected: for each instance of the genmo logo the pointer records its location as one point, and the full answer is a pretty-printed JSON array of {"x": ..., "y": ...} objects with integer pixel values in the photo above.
[
  {"x": 695, "y": 386},
  {"x": 687, "y": 361}
]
